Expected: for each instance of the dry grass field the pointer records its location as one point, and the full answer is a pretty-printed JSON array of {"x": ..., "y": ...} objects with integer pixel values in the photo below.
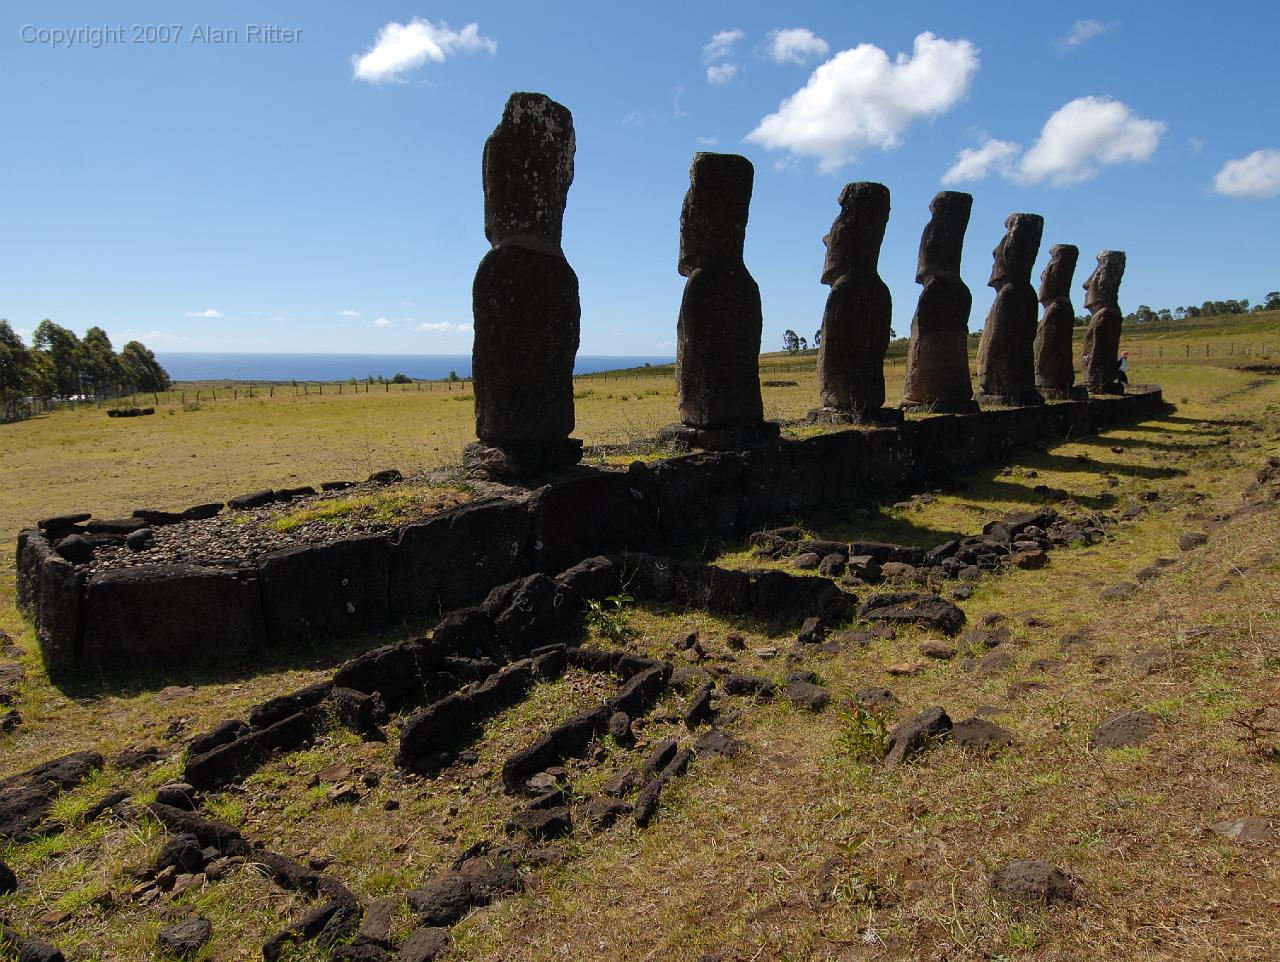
[{"x": 797, "y": 848}]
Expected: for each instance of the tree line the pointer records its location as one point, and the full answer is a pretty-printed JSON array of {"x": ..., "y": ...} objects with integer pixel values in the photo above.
[
  {"x": 1145, "y": 315},
  {"x": 59, "y": 365}
]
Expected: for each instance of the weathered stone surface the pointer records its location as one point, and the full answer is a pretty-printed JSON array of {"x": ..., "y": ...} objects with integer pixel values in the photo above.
[
  {"x": 979, "y": 734},
  {"x": 185, "y": 938},
  {"x": 219, "y": 835},
  {"x": 1100, "y": 355},
  {"x": 25, "y": 798},
  {"x": 569, "y": 738},
  {"x": 1006, "y": 353},
  {"x": 8, "y": 880},
  {"x": 1055, "y": 366},
  {"x": 456, "y": 557},
  {"x": 50, "y": 589},
  {"x": 1247, "y": 831},
  {"x": 718, "y": 331},
  {"x": 525, "y": 296},
  {"x": 1028, "y": 880},
  {"x": 38, "y": 950},
  {"x": 1125, "y": 730},
  {"x": 425, "y": 944},
  {"x": 914, "y": 607},
  {"x": 938, "y": 358},
  {"x": 172, "y": 615},
  {"x": 226, "y": 763},
  {"x": 859, "y": 311},
  {"x": 914, "y": 735},
  {"x": 646, "y": 805},
  {"x": 808, "y": 696},
  {"x": 331, "y": 590}
]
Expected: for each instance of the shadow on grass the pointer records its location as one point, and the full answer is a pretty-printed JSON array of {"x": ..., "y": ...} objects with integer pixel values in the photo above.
[{"x": 322, "y": 655}]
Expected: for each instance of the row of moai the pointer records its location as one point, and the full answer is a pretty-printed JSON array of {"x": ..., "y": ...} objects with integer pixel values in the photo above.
[{"x": 527, "y": 312}]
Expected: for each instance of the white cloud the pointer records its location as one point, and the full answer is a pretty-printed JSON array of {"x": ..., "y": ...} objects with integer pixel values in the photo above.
[
  {"x": 443, "y": 327},
  {"x": 721, "y": 73},
  {"x": 1196, "y": 144},
  {"x": 1085, "y": 135},
  {"x": 1257, "y": 175},
  {"x": 975, "y": 163},
  {"x": 348, "y": 313},
  {"x": 708, "y": 141},
  {"x": 860, "y": 99},
  {"x": 209, "y": 312},
  {"x": 676, "y": 95},
  {"x": 796, "y": 45},
  {"x": 383, "y": 323},
  {"x": 1082, "y": 31},
  {"x": 401, "y": 47},
  {"x": 720, "y": 46}
]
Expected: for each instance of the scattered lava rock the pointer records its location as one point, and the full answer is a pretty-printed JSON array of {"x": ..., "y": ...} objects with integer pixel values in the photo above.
[
  {"x": 1126, "y": 730},
  {"x": 1028, "y": 880},
  {"x": 186, "y": 938}
]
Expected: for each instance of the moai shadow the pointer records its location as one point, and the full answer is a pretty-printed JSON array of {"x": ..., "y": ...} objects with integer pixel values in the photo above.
[
  {"x": 718, "y": 332},
  {"x": 858, "y": 318},
  {"x": 1055, "y": 366},
  {"x": 525, "y": 298},
  {"x": 1006, "y": 353},
  {"x": 938, "y": 358},
  {"x": 1100, "y": 356}
]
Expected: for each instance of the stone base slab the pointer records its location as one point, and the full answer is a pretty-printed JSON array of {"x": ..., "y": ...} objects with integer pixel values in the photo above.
[
  {"x": 880, "y": 417},
  {"x": 719, "y": 439},
  {"x": 492, "y": 463},
  {"x": 969, "y": 406},
  {"x": 1024, "y": 400},
  {"x": 1074, "y": 393}
]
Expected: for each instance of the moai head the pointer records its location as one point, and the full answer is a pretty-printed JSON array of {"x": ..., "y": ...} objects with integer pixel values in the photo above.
[
  {"x": 856, "y": 235},
  {"x": 713, "y": 220},
  {"x": 943, "y": 240},
  {"x": 1055, "y": 282},
  {"x": 528, "y": 167},
  {"x": 1015, "y": 255},
  {"x": 1102, "y": 289}
]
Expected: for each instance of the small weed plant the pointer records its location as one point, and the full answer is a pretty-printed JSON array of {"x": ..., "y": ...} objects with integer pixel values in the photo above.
[
  {"x": 608, "y": 618},
  {"x": 864, "y": 733}
]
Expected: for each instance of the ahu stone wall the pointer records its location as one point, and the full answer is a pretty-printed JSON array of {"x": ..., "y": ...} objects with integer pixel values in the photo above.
[{"x": 175, "y": 617}]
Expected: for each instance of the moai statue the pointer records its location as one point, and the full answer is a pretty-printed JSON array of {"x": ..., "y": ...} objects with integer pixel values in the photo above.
[
  {"x": 1006, "y": 353},
  {"x": 938, "y": 358},
  {"x": 525, "y": 297},
  {"x": 1055, "y": 367},
  {"x": 1100, "y": 357},
  {"x": 718, "y": 332},
  {"x": 858, "y": 317}
]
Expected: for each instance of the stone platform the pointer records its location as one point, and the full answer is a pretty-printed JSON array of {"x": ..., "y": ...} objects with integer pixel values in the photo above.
[{"x": 180, "y": 616}]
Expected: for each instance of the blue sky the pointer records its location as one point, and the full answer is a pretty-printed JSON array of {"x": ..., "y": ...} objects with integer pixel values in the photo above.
[{"x": 321, "y": 192}]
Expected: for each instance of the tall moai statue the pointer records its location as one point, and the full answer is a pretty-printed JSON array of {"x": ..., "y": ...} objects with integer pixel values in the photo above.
[
  {"x": 718, "y": 332},
  {"x": 525, "y": 297},
  {"x": 1006, "y": 353},
  {"x": 858, "y": 318},
  {"x": 1055, "y": 366},
  {"x": 938, "y": 358},
  {"x": 1100, "y": 356}
]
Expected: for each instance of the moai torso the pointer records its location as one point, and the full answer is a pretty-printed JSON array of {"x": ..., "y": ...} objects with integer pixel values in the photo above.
[
  {"x": 718, "y": 332},
  {"x": 1100, "y": 356},
  {"x": 525, "y": 295},
  {"x": 1055, "y": 369},
  {"x": 1006, "y": 353},
  {"x": 859, "y": 312},
  {"x": 938, "y": 358}
]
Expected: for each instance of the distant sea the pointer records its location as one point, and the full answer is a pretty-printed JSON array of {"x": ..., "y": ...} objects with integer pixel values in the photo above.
[{"x": 340, "y": 367}]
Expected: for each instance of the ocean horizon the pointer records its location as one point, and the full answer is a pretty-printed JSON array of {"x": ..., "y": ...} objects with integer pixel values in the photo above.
[{"x": 210, "y": 366}]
